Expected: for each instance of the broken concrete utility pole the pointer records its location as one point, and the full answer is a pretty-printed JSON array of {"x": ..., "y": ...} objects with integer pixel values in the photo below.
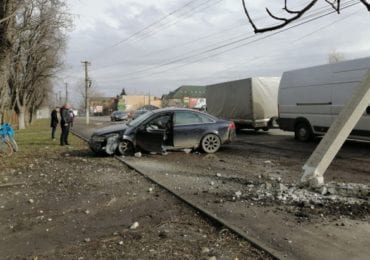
[{"x": 319, "y": 161}]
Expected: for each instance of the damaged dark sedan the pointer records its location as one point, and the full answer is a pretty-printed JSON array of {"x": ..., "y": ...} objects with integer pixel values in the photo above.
[{"x": 164, "y": 129}]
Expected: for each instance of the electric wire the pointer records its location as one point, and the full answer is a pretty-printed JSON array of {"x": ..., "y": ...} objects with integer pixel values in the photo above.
[
  {"x": 194, "y": 41},
  {"x": 348, "y": 4},
  {"x": 222, "y": 32},
  {"x": 143, "y": 30}
]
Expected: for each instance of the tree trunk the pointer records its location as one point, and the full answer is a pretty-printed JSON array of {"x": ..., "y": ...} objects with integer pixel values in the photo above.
[
  {"x": 30, "y": 120},
  {"x": 22, "y": 118}
]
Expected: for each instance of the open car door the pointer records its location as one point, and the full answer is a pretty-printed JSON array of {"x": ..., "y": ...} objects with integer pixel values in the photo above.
[{"x": 150, "y": 135}]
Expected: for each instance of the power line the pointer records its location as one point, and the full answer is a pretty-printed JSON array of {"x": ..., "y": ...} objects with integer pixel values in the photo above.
[
  {"x": 201, "y": 52},
  {"x": 294, "y": 42},
  {"x": 349, "y": 4},
  {"x": 190, "y": 12},
  {"x": 148, "y": 27},
  {"x": 228, "y": 29}
]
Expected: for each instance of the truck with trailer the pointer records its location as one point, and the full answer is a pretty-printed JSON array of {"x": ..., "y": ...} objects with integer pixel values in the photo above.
[
  {"x": 311, "y": 98},
  {"x": 250, "y": 103}
]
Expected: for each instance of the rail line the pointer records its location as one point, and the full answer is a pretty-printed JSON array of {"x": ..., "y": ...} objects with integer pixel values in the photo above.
[{"x": 256, "y": 243}]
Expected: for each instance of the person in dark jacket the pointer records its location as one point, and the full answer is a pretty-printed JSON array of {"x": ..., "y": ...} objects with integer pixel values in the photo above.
[
  {"x": 65, "y": 123},
  {"x": 54, "y": 123}
]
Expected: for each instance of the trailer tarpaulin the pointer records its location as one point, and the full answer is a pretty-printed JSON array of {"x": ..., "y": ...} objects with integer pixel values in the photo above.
[{"x": 246, "y": 99}]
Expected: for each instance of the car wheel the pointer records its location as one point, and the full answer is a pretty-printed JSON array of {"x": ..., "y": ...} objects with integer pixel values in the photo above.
[
  {"x": 210, "y": 143},
  {"x": 303, "y": 132},
  {"x": 125, "y": 148}
]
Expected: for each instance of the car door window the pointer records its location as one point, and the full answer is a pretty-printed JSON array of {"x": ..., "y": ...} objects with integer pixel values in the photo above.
[
  {"x": 190, "y": 118},
  {"x": 206, "y": 119},
  {"x": 159, "y": 123}
]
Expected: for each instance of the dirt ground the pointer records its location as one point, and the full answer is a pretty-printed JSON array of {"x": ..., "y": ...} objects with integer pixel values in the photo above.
[
  {"x": 229, "y": 185},
  {"x": 63, "y": 202}
]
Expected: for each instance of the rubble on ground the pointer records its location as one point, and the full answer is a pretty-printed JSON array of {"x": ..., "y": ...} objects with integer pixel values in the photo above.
[{"x": 348, "y": 198}]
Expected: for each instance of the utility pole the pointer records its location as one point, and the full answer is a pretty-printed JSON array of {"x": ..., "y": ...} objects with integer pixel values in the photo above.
[
  {"x": 60, "y": 98},
  {"x": 87, "y": 84},
  {"x": 321, "y": 158},
  {"x": 66, "y": 92}
]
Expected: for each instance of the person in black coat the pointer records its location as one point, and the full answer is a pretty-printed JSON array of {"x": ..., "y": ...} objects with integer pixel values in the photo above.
[
  {"x": 65, "y": 123},
  {"x": 54, "y": 123}
]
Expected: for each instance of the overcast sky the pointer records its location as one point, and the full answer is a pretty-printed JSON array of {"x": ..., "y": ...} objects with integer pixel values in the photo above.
[{"x": 157, "y": 46}]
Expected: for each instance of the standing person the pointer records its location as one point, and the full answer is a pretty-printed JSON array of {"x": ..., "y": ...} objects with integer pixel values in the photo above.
[
  {"x": 65, "y": 123},
  {"x": 54, "y": 123},
  {"x": 72, "y": 115}
]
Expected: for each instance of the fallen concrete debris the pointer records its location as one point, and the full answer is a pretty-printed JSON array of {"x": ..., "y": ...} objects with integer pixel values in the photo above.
[
  {"x": 238, "y": 194},
  {"x": 335, "y": 192},
  {"x": 345, "y": 189},
  {"x": 135, "y": 225},
  {"x": 347, "y": 197}
]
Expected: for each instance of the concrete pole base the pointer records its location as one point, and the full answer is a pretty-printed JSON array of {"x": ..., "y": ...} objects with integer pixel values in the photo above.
[{"x": 311, "y": 178}]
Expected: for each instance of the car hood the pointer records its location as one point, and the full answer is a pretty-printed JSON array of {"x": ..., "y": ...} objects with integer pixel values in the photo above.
[{"x": 110, "y": 129}]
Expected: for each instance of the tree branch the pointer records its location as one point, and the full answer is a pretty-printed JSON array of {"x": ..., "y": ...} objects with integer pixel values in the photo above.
[
  {"x": 366, "y": 4},
  {"x": 285, "y": 21},
  {"x": 335, "y": 5},
  {"x": 287, "y": 9}
]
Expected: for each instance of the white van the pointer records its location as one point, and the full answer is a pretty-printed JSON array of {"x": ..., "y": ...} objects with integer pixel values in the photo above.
[{"x": 310, "y": 99}]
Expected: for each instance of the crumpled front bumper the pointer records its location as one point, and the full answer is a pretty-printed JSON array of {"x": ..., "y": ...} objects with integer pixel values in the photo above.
[{"x": 107, "y": 144}]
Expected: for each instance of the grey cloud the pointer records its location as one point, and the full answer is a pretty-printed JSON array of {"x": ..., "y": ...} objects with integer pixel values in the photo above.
[{"x": 298, "y": 47}]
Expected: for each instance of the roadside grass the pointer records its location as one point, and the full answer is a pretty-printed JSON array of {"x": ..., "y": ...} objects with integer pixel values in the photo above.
[{"x": 35, "y": 142}]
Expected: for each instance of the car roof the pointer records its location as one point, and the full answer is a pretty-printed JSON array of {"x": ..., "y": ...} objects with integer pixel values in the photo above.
[{"x": 173, "y": 109}]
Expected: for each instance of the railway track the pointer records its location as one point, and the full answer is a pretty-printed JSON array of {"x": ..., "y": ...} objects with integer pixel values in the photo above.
[{"x": 207, "y": 214}]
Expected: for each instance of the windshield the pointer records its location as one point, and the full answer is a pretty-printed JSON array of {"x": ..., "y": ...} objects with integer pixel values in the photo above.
[{"x": 137, "y": 121}]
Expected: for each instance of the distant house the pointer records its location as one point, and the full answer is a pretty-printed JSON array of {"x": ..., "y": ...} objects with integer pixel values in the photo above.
[
  {"x": 185, "y": 96},
  {"x": 133, "y": 102},
  {"x": 43, "y": 112},
  {"x": 102, "y": 105}
]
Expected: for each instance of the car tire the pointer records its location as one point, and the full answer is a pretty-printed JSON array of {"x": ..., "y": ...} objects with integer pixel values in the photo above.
[
  {"x": 210, "y": 143},
  {"x": 125, "y": 148},
  {"x": 303, "y": 132}
]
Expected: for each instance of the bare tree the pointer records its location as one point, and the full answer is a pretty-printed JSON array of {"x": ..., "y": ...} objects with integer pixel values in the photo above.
[
  {"x": 293, "y": 15},
  {"x": 37, "y": 40},
  {"x": 7, "y": 11}
]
